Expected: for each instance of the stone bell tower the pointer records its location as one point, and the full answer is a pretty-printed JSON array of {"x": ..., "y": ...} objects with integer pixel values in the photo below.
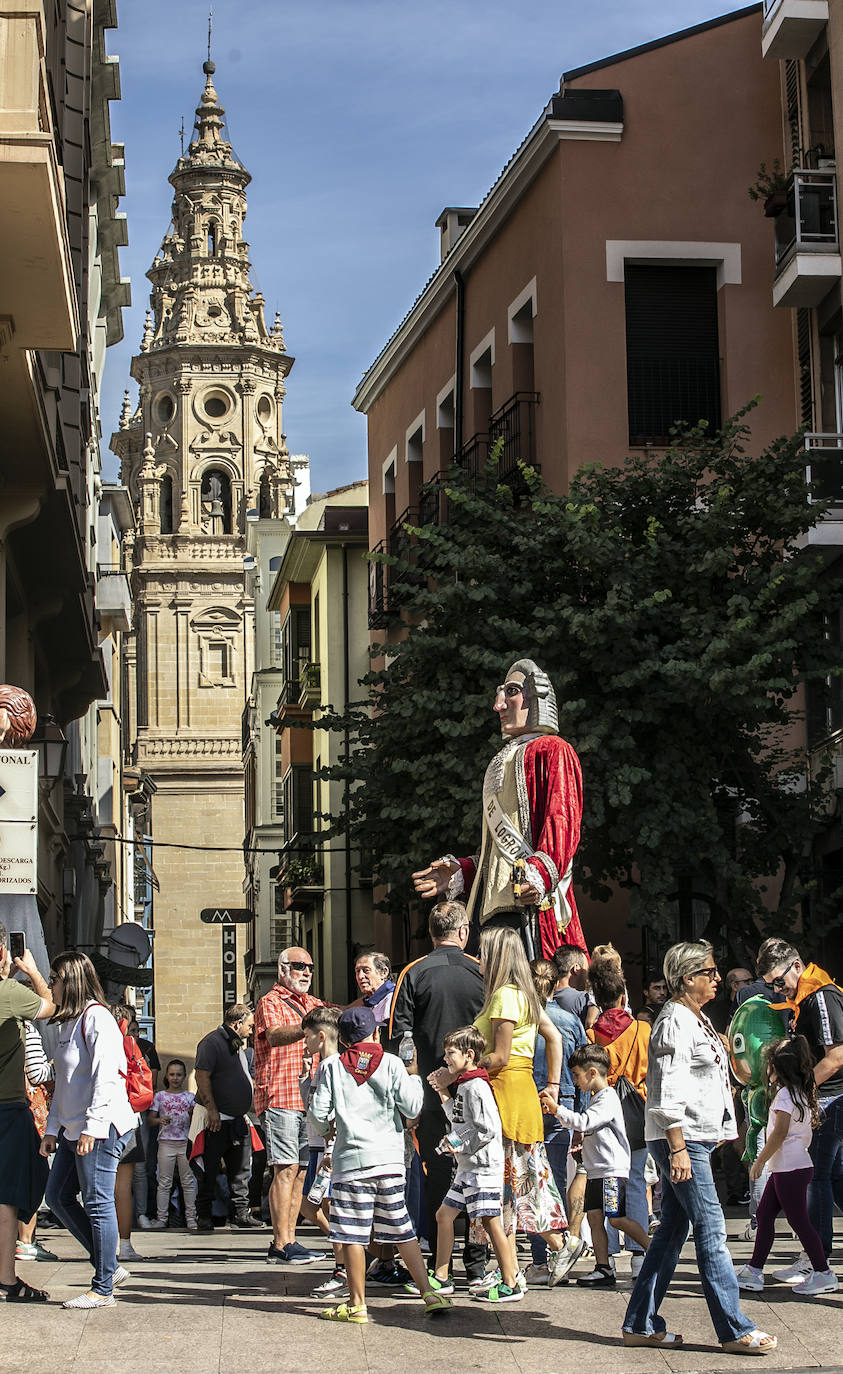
[{"x": 204, "y": 447}]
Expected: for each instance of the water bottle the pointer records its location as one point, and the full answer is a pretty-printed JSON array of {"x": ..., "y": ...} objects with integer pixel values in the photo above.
[{"x": 407, "y": 1048}]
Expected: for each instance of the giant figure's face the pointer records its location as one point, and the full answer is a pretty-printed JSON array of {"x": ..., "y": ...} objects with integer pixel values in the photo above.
[{"x": 511, "y": 706}]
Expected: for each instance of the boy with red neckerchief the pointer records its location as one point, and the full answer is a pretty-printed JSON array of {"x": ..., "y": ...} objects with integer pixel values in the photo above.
[
  {"x": 367, "y": 1093},
  {"x": 476, "y": 1142}
]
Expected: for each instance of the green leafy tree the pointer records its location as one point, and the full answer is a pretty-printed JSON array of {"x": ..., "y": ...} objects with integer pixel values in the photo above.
[{"x": 673, "y": 606}]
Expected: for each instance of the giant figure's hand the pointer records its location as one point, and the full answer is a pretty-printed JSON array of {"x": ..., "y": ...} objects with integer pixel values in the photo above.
[
  {"x": 433, "y": 881},
  {"x": 529, "y": 895}
]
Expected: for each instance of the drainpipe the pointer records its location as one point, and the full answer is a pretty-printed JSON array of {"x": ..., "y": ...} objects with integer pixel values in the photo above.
[
  {"x": 459, "y": 384},
  {"x": 346, "y": 674}
]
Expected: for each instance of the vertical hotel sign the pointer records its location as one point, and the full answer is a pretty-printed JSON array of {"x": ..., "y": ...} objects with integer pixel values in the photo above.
[{"x": 18, "y": 821}]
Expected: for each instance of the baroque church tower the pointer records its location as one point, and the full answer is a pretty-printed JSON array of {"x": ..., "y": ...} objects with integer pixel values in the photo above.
[{"x": 204, "y": 449}]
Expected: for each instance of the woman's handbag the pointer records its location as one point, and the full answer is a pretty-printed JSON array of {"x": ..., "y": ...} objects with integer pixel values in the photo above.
[{"x": 632, "y": 1104}]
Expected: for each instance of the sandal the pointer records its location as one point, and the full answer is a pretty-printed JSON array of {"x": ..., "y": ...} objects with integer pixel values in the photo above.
[
  {"x": 655, "y": 1338},
  {"x": 22, "y": 1292},
  {"x": 753, "y": 1343},
  {"x": 357, "y": 1316}
]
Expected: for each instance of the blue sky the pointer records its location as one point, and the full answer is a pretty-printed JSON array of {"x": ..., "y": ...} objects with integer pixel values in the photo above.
[{"x": 359, "y": 120}]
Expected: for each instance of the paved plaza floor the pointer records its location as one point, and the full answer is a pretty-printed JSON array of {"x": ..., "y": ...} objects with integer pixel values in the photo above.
[{"x": 211, "y": 1305}]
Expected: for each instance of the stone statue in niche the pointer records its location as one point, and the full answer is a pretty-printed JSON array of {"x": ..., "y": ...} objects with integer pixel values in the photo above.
[{"x": 216, "y": 503}]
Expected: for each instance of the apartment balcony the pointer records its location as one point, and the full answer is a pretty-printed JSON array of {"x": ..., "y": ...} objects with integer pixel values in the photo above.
[
  {"x": 806, "y": 235},
  {"x": 791, "y": 27},
  {"x": 302, "y": 875},
  {"x": 384, "y": 577},
  {"x": 310, "y": 686},
  {"x": 515, "y": 424},
  {"x": 433, "y": 501},
  {"x": 37, "y": 288},
  {"x": 824, "y": 473},
  {"x": 113, "y": 601}
]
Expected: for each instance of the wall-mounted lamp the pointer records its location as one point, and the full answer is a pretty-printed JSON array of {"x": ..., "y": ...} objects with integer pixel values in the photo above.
[{"x": 52, "y": 748}]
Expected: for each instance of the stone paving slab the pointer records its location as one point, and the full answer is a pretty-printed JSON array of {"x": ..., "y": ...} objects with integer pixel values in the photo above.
[{"x": 210, "y": 1304}]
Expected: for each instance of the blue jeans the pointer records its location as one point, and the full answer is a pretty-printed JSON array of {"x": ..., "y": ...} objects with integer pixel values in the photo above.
[
  {"x": 694, "y": 1202},
  {"x": 94, "y": 1223},
  {"x": 826, "y": 1187},
  {"x": 556, "y": 1141}
]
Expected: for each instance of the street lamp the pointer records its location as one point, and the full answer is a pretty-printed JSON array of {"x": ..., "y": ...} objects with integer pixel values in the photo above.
[{"x": 52, "y": 749}]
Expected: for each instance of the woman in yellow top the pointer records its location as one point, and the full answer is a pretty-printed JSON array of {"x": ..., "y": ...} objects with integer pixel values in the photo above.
[{"x": 510, "y": 1019}]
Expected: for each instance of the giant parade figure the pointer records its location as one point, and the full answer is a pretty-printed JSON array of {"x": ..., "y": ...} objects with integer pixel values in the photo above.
[{"x": 532, "y": 807}]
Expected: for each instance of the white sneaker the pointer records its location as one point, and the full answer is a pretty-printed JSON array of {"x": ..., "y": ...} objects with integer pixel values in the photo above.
[
  {"x": 748, "y": 1232},
  {"x": 489, "y": 1280},
  {"x": 537, "y": 1275},
  {"x": 156, "y": 1225},
  {"x": 635, "y": 1263},
  {"x": 561, "y": 1262},
  {"x": 128, "y": 1252},
  {"x": 88, "y": 1300},
  {"x": 145, "y": 1222},
  {"x": 751, "y": 1280},
  {"x": 797, "y": 1273},
  {"x": 119, "y": 1276},
  {"x": 818, "y": 1281}
]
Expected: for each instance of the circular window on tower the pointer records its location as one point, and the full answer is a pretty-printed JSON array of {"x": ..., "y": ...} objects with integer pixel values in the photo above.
[
  {"x": 264, "y": 409},
  {"x": 164, "y": 408},
  {"x": 216, "y": 404}
]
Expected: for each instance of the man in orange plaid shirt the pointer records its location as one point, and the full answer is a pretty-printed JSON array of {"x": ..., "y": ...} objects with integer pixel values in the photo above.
[{"x": 279, "y": 1052}]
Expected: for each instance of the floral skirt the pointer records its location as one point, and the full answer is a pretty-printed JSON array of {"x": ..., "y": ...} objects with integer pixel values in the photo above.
[{"x": 531, "y": 1200}]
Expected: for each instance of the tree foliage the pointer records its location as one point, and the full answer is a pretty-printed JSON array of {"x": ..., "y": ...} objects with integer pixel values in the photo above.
[{"x": 678, "y": 614}]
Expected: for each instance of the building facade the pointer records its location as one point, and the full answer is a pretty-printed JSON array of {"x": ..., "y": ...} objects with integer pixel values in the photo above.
[
  {"x": 617, "y": 278},
  {"x": 305, "y": 888},
  {"x": 202, "y": 452},
  {"x": 61, "y": 299},
  {"x": 803, "y": 44}
]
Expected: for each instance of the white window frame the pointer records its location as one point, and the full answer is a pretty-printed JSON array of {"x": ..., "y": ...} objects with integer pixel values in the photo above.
[
  {"x": 448, "y": 390},
  {"x": 526, "y": 297},
  {"x": 389, "y": 466},
  {"x": 726, "y": 257},
  {"x": 409, "y": 435},
  {"x": 486, "y": 345}
]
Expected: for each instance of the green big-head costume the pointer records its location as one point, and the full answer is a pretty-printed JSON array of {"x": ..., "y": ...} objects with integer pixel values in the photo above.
[{"x": 754, "y": 1025}]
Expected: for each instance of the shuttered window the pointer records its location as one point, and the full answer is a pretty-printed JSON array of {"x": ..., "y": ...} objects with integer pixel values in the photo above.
[{"x": 672, "y": 351}]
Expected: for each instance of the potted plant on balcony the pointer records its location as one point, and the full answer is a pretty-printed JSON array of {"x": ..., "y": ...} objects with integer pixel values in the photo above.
[{"x": 770, "y": 187}]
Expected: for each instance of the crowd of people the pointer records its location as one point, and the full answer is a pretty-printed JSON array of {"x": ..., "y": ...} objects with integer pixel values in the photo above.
[{"x": 489, "y": 1097}]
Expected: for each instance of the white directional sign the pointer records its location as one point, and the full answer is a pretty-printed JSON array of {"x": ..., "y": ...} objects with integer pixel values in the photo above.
[{"x": 18, "y": 820}]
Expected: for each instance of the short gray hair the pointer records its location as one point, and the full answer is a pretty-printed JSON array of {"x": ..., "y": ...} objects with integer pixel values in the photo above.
[
  {"x": 380, "y": 961},
  {"x": 681, "y": 960},
  {"x": 445, "y": 918}
]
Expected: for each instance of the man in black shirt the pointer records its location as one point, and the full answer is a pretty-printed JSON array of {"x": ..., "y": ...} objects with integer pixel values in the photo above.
[
  {"x": 434, "y": 996},
  {"x": 224, "y": 1088},
  {"x": 819, "y": 1017}
]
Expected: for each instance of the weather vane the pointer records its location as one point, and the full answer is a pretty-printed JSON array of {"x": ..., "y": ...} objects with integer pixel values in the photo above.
[
  {"x": 210, "y": 30},
  {"x": 181, "y": 135}
]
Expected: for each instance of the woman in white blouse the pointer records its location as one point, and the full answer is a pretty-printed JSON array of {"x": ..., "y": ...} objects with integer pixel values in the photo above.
[
  {"x": 689, "y": 1111},
  {"x": 90, "y": 1121}
]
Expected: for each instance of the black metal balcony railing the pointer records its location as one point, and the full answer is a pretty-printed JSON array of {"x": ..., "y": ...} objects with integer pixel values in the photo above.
[
  {"x": 474, "y": 455},
  {"x": 809, "y": 221},
  {"x": 514, "y": 423},
  {"x": 824, "y": 469},
  {"x": 245, "y": 727},
  {"x": 433, "y": 501}
]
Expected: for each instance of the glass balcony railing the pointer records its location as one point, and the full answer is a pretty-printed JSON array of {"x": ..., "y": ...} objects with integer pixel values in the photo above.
[
  {"x": 824, "y": 470},
  {"x": 808, "y": 223}
]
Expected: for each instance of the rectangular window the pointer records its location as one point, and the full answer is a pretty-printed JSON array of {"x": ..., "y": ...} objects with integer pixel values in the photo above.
[
  {"x": 298, "y": 803},
  {"x": 278, "y": 781},
  {"x": 672, "y": 349},
  {"x": 295, "y": 640}
]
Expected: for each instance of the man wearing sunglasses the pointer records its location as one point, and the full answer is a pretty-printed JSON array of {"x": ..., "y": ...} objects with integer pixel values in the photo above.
[
  {"x": 819, "y": 1017},
  {"x": 279, "y": 1055}
]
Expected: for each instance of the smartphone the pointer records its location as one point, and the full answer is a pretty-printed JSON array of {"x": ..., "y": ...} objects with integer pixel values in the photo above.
[{"x": 17, "y": 943}]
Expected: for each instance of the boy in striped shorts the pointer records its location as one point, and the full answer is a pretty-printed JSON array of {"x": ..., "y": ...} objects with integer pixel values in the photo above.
[
  {"x": 475, "y": 1141},
  {"x": 365, "y": 1091}
]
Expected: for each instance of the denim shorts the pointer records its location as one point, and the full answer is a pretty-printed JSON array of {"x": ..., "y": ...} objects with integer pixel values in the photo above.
[{"x": 286, "y": 1137}]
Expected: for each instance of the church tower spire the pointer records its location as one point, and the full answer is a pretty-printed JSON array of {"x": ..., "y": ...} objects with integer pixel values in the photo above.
[{"x": 203, "y": 452}]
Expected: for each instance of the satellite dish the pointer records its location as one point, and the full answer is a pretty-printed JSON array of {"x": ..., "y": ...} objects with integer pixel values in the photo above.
[{"x": 129, "y": 944}]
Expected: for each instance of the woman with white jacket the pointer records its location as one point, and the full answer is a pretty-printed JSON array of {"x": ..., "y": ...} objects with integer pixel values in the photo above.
[{"x": 90, "y": 1121}]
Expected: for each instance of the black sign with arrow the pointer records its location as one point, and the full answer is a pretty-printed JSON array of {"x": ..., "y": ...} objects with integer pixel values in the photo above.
[{"x": 225, "y": 916}]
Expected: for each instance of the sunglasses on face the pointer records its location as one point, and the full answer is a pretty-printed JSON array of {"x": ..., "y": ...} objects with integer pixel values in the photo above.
[
  {"x": 707, "y": 973},
  {"x": 299, "y": 965},
  {"x": 778, "y": 984}
]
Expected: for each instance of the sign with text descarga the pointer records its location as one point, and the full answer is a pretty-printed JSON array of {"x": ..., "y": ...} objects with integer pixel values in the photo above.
[{"x": 18, "y": 820}]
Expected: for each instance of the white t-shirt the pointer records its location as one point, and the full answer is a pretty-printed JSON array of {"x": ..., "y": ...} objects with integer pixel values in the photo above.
[{"x": 793, "y": 1153}]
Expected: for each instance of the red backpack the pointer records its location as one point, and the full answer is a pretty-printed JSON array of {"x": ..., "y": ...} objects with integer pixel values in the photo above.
[{"x": 138, "y": 1075}]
